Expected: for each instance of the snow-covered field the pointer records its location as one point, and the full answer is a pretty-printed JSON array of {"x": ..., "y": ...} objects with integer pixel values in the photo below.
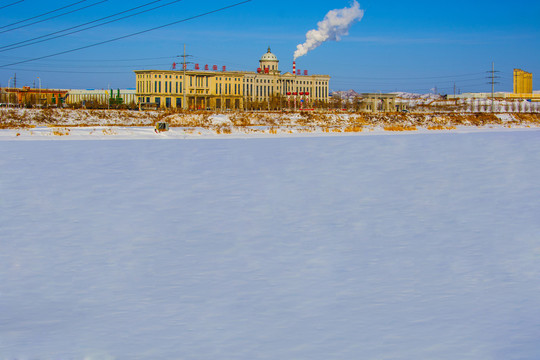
[{"x": 424, "y": 246}]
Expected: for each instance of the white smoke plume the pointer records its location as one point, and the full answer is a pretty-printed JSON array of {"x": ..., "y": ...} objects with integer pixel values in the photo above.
[{"x": 334, "y": 25}]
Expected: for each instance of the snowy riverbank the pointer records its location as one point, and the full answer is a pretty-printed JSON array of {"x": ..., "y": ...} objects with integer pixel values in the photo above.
[
  {"x": 64, "y": 121},
  {"x": 181, "y": 133}
]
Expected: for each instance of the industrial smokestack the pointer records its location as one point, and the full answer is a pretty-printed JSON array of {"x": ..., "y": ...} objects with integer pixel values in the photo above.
[
  {"x": 334, "y": 25},
  {"x": 294, "y": 67}
]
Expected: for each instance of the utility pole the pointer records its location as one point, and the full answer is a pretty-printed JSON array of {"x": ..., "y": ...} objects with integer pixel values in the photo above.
[
  {"x": 184, "y": 80},
  {"x": 492, "y": 77},
  {"x": 9, "y": 93},
  {"x": 184, "y": 83},
  {"x": 39, "y": 94}
]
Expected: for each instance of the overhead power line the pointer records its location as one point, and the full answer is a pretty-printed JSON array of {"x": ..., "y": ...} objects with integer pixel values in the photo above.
[
  {"x": 73, "y": 72},
  {"x": 54, "y": 62},
  {"x": 53, "y": 17},
  {"x": 414, "y": 78},
  {"x": 29, "y": 42},
  {"x": 411, "y": 80},
  {"x": 16, "y": 2},
  {"x": 130, "y": 35},
  {"x": 40, "y": 15}
]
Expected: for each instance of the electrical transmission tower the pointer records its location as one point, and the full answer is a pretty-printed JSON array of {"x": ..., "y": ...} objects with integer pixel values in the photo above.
[{"x": 492, "y": 75}]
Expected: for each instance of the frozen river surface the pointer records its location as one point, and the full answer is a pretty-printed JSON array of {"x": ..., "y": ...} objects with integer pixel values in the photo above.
[{"x": 376, "y": 247}]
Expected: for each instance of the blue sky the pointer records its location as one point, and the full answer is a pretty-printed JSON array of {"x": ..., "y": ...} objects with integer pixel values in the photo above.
[{"x": 398, "y": 46}]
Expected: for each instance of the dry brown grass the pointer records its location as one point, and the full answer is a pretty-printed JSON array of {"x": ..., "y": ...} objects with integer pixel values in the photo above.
[
  {"x": 528, "y": 118},
  {"x": 441, "y": 127},
  {"x": 15, "y": 125},
  {"x": 223, "y": 130},
  {"x": 304, "y": 121},
  {"x": 353, "y": 128},
  {"x": 242, "y": 119},
  {"x": 60, "y": 132},
  {"x": 400, "y": 128},
  {"x": 359, "y": 121},
  {"x": 309, "y": 118}
]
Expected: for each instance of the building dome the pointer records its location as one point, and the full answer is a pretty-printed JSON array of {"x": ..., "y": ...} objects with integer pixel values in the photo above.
[
  {"x": 269, "y": 56},
  {"x": 269, "y": 62}
]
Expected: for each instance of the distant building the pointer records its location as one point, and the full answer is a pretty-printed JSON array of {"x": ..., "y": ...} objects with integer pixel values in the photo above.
[
  {"x": 33, "y": 97},
  {"x": 86, "y": 96},
  {"x": 523, "y": 82},
  {"x": 212, "y": 89},
  {"x": 523, "y": 90},
  {"x": 60, "y": 97},
  {"x": 498, "y": 95},
  {"x": 375, "y": 102}
]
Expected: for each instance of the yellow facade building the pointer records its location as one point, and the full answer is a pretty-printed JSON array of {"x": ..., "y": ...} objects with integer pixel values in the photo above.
[
  {"x": 189, "y": 89},
  {"x": 204, "y": 89},
  {"x": 523, "y": 82}
]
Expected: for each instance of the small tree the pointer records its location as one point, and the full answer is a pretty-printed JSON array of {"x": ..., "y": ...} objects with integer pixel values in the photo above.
[{"x": 336, "y": 102}]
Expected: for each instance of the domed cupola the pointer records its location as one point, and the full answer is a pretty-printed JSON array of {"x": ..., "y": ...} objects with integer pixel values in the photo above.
[{"x": 269, "y": 61}]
